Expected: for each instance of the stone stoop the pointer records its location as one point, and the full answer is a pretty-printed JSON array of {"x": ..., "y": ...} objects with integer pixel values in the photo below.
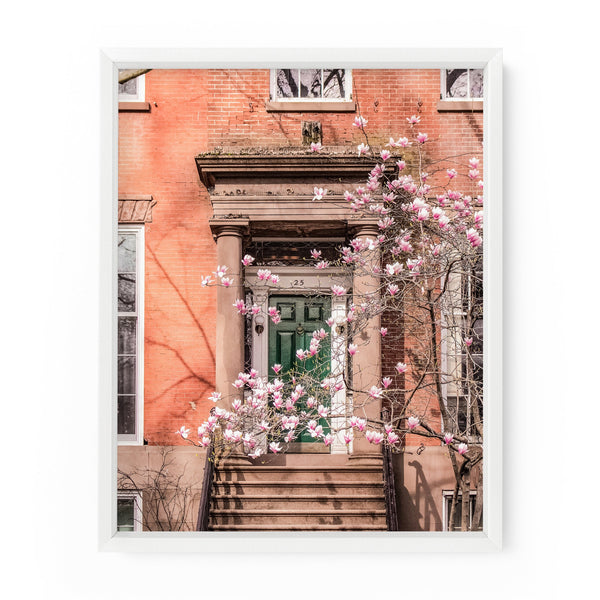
[{"x": 298, "y": 493}]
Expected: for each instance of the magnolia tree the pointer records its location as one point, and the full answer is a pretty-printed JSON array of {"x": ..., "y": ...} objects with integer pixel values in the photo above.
[{"x": 426, "y": 265}]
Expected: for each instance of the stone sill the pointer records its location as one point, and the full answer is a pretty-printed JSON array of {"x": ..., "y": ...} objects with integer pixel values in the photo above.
[
  {"x": 134, "y": 106},
  {"x": 460, "y": 106},
  {"x": 310, "y": 106}
]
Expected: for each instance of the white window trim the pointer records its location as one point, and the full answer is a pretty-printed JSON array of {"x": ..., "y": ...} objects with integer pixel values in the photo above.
[
  {"x": 451, "y": 99},
  {"x": 446, "y": 494},
  {"x": 137, "y": 508},
  {"x": 136, "y": 439},
  {"x": 141, "y": 91},
  {"x": 346, "y": 98},
  {"x": 300, "y": 281}
]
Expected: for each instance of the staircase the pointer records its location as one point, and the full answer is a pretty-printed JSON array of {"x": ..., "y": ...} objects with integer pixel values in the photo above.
[{"x": 299, "y": 492}]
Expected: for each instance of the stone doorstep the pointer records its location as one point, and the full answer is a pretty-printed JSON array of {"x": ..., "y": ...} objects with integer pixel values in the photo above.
[
  {"x": 277, "y": 474},
  {"x": 240, "y": 489},
  {"x": 298, "y": 528},
  {"x": 304, "y": 503}
]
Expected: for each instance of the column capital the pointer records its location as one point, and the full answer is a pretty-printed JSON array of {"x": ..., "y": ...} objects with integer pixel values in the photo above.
[
  {"x": 235, "y": 226},
  {"x": 366, "y": 227}
]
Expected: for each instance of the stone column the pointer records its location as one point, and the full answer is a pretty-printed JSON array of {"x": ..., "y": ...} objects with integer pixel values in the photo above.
[
  {"x": 230, "y": 325},
  {"x": 366, "y": 363}
]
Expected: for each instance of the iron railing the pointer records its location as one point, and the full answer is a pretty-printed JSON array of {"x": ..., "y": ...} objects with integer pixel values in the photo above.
[
  {"x": 207, "y": 483},
  {"x": 389, "y": 484}
]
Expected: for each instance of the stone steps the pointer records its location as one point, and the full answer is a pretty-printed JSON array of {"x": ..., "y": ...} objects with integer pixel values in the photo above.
[{"x": 320, "y": 493}]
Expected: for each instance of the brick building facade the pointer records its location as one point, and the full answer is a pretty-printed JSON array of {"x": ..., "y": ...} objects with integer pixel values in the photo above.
[{"x": 210, "y": 157}]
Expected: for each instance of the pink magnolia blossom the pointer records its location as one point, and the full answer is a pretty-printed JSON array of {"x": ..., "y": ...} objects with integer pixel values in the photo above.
[
  {"x": 473, "y": 174},
  {"x": 338, "y": 290},
  {"x": 392, "y": 289},
  {"x": 352, "y": 349},
  {"x": 272, "y": 311},
  {"x": 412, "y": 422},
  {"x": 383, "y": 331},
  {"x": 462, "y": 449},
  {"x": 215, "y": 396},
  {"x": 322, "y": 265},
  {"x": 328, "y": 439},
  {"x": 240, "y": 306},
  {"x": 319, "y": 193},
  {"x": 316, "y": 254},
  {"x": 393, "y": 438},
  {"x": 263, "y": 274},
  {"x": 413, "y": 120},
  {"x": 256, "y": 452},
  {"x": 385, "y": 154},
  {"x": 359, "y": 122},
  {"x": 183, "y": 432},
  {"x": 274, "y": 447},
  {"x": 206, "y": 281},
  {"x": 236, "y": 404},
  {"x": 247, "y": 260},
  {"x": 422, "y": 137},
  {"x": 375, "y": 392},
  {"x": 274, "y": 278},
  {"x": 316, "y": 147},
  {"x": 226, "y": 281},
  {"x": 448, "y": 438},
  {"x": 255, "y": 309},
  {"x": 330, "y": 321},
  {"x": 300, "y": 354},
  {"x": 374, "y": 437},
  {"x": 451, "y": 173},
  {"x": 276, "y": 319},
  {"x": 276, "y": 368},
  {"x": 468, "y": 341},
  {"x": 358, "y": 423},
  {"x": 401, "y": 165},
  {"x": 220, "y": 271},
  {"x": 474, "y": 163},
  {"x": 348, "y": 437},
  {"x": 311, "y": 402},
  {"x": 401, "y": 368},
  {"x": 362, "y": 149},
  {"x": 323, "y": 411},
  {"x": 386, "y": 382}
]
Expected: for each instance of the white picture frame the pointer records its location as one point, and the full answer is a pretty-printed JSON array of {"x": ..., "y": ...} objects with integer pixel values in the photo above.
[{"x": 490, "y": 539}]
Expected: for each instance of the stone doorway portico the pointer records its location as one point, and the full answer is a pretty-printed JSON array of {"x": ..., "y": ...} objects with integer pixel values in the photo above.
[{"x": 269, "y": 197}]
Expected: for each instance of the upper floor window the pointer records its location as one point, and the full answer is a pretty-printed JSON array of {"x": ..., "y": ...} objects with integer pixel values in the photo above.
[
  {"x": 311, "y": 84},
  {"x": 462, "y": 84},
  {"x": 130, "y": 334},
  {"x": 132, "y": 90}
]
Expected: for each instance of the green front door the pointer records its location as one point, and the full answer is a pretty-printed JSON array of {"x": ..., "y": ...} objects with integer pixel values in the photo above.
[{"x": 300, "y": 316}]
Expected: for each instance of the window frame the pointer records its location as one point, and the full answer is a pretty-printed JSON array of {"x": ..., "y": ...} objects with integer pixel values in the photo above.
[
  {"x": 443, "y": 91},
  {"x": 140, "y": 96},
  {"x": 347, "y": 84},
  {"x": 137, "y": 509},
  {"x": 454, "y": 356},
  {"x": 447, "y": 498},
  {"x": 137, "y": 438}
]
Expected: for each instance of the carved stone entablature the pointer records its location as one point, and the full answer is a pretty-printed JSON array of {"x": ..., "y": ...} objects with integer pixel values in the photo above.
[{"x": 274, "y": 190}]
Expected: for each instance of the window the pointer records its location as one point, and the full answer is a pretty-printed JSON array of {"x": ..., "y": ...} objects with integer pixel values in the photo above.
[
  {"x": 463, "y": 321},
  {"x": 132, "y": 90},
  {"x": 130, "y": 334},
  {"x": 462, "y": 84},
  {"x": 311, "y": 84},
  {"x": 447, "y": 494},
  {"x": 129, "y": 511}
]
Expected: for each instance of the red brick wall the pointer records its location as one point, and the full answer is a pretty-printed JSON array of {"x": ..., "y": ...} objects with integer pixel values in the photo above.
[{"x": 194, "y": 111}]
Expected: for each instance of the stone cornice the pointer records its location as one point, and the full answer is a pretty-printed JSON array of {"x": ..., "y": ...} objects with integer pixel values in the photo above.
[{"x": 215, "y": 167}]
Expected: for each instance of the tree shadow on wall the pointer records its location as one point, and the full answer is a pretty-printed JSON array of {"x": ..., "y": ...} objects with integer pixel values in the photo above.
[{"x": 418, "y": 510}]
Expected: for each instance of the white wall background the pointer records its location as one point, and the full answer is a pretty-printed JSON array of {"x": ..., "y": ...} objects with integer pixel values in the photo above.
[{"x": 49, "y": 247}]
